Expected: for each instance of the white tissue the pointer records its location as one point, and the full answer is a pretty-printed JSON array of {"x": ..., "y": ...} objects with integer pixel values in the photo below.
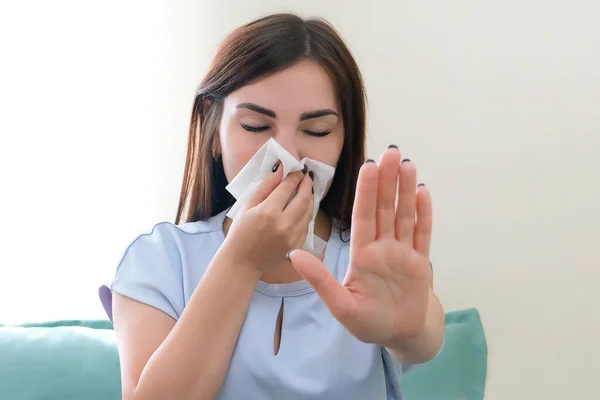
[{"x": 260, "y": 166}]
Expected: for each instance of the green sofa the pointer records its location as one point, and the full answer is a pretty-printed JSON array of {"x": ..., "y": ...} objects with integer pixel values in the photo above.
[{"x": 70, "y": 360}]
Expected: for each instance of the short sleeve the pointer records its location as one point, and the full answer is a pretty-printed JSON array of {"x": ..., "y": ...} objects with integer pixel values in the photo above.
[{"x": 150, "y": 272}]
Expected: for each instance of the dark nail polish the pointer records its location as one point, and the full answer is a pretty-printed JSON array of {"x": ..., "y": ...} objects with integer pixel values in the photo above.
[
  {"x": 420, "y": 184},
  {"x": 276, "y": 166},
  {"x": 304, "y": 169},
  {"x": 392, "y": 146},
  {"x": 288, "y": 255},
  {"x": 368, "y": 160},
  {"x": 406, "y": 160},
  {"x": 311, "y": 175}
]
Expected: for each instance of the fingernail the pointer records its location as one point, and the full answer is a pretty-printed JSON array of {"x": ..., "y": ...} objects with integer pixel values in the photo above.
[
  {"x": 288, "y": 255},
  {"x": 304, "y": 169},
  {"x": 392, "y": 146},
  {"x": 276, "y": 166},
  {"x": 420, "y": 184},
  {"x": 406, "y": 160},
  {"x": 368, "y": 160},
  {"x": 311, "y": 175}
]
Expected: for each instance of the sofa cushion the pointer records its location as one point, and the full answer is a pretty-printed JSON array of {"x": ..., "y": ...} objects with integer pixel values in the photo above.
[
  {"x": 79, "y": 360},
  {"x": 59, "y": 361},
  {"x": 459, "y": 371}
]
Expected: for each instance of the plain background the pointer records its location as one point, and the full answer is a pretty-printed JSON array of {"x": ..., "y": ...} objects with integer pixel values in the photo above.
[{"x": 497, "y": 103}]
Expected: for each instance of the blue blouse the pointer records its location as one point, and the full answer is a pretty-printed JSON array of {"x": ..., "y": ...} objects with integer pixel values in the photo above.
[{"x": 317, "y": 359}]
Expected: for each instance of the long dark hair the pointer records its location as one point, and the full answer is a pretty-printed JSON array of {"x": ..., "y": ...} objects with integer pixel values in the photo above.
[{"x": 253, "y": 51}]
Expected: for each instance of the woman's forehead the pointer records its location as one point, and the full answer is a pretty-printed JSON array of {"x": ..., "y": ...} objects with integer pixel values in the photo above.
[{"x": 305, "y": 86}]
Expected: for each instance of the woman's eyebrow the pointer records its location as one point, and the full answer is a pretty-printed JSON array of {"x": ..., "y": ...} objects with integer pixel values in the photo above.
[
  {"x": 270, "y": 113},
  {"x": 258, "y": 109},
  {"x": 317, "y": 114}
]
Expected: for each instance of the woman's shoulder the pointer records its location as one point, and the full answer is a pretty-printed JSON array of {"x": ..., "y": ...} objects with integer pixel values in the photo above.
[
  {"x": 166, "y": 234},
  {"x": 167, "y": 229},
  {"x": 172, "y": 246},
  {"x": 162, "y": 264}
]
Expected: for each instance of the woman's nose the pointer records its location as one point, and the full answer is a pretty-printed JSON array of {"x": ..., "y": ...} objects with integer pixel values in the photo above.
[{"x": 288, "y": 142}]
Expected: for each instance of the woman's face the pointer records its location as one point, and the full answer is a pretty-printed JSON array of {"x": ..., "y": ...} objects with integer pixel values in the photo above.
[{"x": 297, "y": 107}]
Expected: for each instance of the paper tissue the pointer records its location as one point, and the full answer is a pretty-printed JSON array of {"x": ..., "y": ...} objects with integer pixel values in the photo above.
[{"x": 260, "y": 166}]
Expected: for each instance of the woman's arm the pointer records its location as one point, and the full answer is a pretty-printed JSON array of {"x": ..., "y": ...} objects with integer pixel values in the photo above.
[
  {"x": 426, "y": 345},
  {"x": 187, "y": 359}
]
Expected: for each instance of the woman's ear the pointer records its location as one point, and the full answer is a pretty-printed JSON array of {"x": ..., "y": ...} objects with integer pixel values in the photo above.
[{"x": 216, "y": 147}]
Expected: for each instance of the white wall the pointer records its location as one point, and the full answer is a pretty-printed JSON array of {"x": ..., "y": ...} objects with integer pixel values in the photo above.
[
  {"x": 91, "y": 102},
  {"x": 498, "y": 104}
]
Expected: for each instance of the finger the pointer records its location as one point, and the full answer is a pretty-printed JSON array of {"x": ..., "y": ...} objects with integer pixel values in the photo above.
[
  {"x": 302, "y": 201},
  {"x": 303, "y": 208},
  {"x": 337, "y": 298},
  {"x": 301, "y": 226},
  {"x": 364, "y": 222},
  {"x": 280, "y": 197},
  {"x": 407, "y": 195},
  {"x": 266, "y": 187},
  {"x": 386, "y": 191},
  {"x": 422, "y": 239}
]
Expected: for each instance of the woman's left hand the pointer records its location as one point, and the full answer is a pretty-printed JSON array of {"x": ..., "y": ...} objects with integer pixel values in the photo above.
[{"x": 384, "y": 296}]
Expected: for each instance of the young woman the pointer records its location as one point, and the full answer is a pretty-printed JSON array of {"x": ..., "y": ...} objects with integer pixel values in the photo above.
[{"x": 210, "y": 308}]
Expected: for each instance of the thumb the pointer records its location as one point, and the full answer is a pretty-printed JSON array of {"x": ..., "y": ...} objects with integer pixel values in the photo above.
[{"x": 336, "y": 297}]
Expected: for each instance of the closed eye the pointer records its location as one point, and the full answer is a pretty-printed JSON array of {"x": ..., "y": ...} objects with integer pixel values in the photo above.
[
  {"x": 251, "y": 128},
  {"x": 318, "y": 134}
]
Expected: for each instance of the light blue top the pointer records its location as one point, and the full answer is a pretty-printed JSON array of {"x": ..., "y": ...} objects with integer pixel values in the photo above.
[{"x": 317, "y": 359}]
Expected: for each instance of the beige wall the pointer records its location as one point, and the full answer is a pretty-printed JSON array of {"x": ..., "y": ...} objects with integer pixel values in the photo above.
[{"x": 498, "y": 104}]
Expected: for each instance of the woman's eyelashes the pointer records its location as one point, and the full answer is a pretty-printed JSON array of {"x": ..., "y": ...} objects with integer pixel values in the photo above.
[
  {"x": 251, "y": 128},
  {"x": 318, "y": 133}
]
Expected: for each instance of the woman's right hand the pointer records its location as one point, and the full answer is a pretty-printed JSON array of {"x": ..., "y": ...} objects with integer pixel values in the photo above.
[{"x": 270, "y": 224}]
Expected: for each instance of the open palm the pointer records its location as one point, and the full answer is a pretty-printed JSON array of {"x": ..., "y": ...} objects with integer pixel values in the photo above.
[{"x": 384, "y": 295}]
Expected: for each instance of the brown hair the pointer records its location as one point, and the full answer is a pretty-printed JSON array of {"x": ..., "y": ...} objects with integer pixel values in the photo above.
[{"x": 254, "y": 51}]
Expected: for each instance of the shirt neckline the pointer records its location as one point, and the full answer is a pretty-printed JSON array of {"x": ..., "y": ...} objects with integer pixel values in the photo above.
[{"x": 297, "y": 288}]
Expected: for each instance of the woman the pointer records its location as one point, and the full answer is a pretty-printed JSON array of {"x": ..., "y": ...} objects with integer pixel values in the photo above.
[{"x": 218, "y": 309}]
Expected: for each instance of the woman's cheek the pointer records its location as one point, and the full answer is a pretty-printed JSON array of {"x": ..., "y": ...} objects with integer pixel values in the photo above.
[{"x": 235, "y": 159}]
